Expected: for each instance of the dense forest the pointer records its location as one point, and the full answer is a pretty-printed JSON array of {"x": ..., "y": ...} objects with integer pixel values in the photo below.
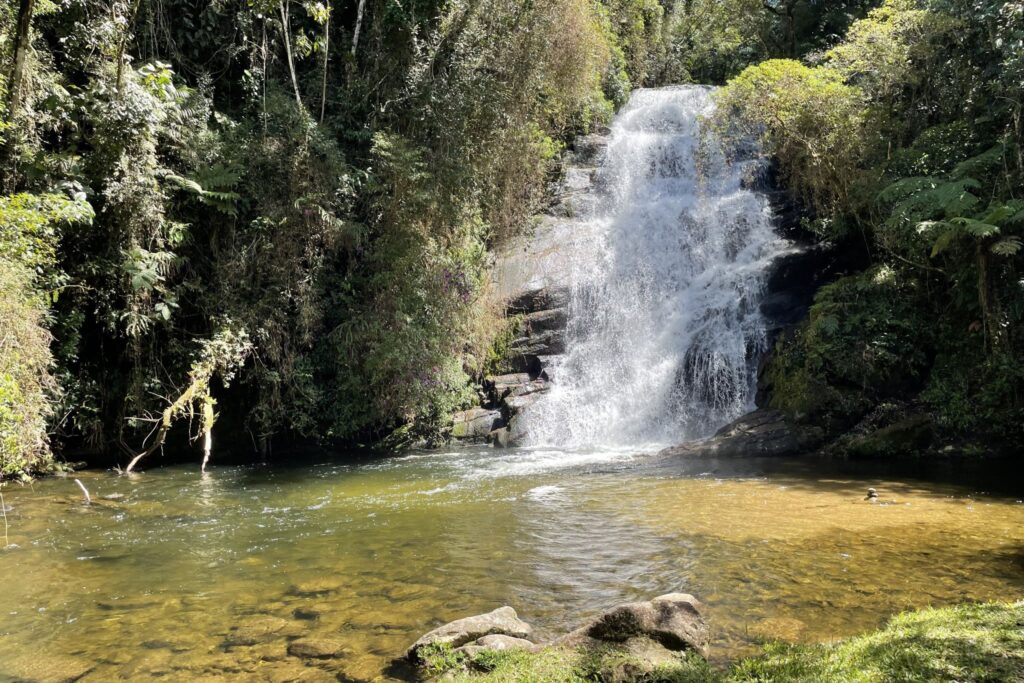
[{"x": 280, "y": 215}]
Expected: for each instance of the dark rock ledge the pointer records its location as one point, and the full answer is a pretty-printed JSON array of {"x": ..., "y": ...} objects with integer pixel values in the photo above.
[{"x": 764, "y": 433}]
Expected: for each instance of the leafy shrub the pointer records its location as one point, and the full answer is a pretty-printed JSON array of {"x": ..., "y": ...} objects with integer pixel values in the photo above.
[{"x": 865, "y": 339}]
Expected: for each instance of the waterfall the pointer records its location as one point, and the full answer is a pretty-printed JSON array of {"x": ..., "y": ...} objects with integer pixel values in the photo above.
[{"x": 667, "y": 271}]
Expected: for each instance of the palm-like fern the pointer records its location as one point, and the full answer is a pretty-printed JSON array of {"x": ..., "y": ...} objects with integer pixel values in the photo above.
[{"x": 213, "y": 185}]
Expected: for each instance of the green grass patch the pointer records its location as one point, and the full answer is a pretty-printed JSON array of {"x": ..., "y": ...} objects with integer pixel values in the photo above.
[
  {"x": 568, "y": 665},
  {"x": 962, "y": 644},
  {"x": 966, "y": 644}
]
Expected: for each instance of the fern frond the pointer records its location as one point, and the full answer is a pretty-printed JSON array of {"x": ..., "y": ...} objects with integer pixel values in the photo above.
[
  {"x": 981, "y": 164},
  {"x": 1008, "y": 246},
  {"x": 976, "y": 228},
  {"x": 945, "y": 240}
]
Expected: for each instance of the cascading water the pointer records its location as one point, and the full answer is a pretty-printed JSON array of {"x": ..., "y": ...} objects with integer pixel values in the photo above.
[{"x": 667, "y": 273}]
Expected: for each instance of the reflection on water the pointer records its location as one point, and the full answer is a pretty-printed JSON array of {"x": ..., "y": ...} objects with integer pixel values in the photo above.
[{"x": 184, "y": 576}]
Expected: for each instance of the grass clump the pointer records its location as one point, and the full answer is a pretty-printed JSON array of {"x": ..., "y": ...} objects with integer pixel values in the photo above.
[
  {"x": 572, "y": 665},
  {"x": 966, "y": 643}
]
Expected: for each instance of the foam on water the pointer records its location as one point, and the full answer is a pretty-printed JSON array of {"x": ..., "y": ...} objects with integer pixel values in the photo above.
[{"x": 667, "y": 275}]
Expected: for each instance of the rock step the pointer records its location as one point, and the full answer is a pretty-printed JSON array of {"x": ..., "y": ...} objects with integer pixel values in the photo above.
[{"x": 535, "y": 300}]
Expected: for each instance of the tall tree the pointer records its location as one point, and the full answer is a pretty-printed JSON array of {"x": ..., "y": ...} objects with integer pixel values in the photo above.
[{"x": 16, "y": 75}]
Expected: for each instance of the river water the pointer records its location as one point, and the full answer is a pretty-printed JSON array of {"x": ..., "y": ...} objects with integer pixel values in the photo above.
[{"x": 181, "y": 575}]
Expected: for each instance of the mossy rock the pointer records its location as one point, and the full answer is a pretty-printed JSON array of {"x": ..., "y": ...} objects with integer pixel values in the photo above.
[{"x": 909, "y": 436}]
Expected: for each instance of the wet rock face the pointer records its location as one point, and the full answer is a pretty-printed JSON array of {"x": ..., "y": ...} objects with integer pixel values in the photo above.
[
  {"x": 503, "y": 621},
  {"x": 764, "y": 432},
  {"x": 531, "y": 275}
]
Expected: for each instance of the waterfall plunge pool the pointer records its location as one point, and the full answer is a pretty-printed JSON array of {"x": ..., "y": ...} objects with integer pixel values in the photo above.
[{"x": 179, "y": 575}]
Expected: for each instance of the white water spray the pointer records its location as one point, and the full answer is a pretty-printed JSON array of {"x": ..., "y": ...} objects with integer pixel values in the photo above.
[{"x": 667, "y": 273}]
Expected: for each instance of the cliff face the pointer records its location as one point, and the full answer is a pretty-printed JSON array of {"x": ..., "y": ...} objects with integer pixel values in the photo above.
[{"x": 532, "y": 277}]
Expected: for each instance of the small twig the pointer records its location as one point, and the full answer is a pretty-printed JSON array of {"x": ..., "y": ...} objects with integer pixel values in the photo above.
[
  {"x": 3, "y": 509},
  {"x": 88, "y": 499}
]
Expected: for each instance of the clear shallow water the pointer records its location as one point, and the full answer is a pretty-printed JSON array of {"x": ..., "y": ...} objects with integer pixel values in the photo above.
[{"x": 174, "y": 576}]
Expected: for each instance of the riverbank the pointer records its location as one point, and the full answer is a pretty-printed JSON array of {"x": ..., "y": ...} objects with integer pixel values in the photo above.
[{"x": 966, "y": 643}]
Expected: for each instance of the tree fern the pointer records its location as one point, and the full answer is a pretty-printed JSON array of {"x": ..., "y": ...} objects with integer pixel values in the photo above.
[{"x": 212, "y": 185}]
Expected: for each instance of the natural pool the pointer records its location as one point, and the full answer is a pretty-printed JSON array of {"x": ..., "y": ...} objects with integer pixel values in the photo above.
[{"x": 185, "y": 576}]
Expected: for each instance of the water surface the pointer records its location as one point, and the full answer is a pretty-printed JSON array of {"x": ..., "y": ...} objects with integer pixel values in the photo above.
[{"x": 184, "y": 576}]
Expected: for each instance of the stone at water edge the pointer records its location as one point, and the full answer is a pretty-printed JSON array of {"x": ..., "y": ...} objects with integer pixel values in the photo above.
[
  {"x": 764, "y": 433},
  {"x": 674, "y": 621},
  {"x": 475, "y": 423},
  {"x": 502, "y": 621}
]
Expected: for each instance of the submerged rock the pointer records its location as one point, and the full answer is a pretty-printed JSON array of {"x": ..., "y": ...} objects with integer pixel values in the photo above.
[
  {"x": 316, "y": 648},
  {"x": 502, "y": 621},
  {"x": 259, "y": 630},
  {"x": 45, "y": 669},
  {"x": 763, "y": 432}
]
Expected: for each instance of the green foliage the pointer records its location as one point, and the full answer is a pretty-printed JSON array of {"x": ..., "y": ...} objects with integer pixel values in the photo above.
[
  {"x": 809, "y": 119},
  {"x": 908, "y": 136},
  {"x": 866, "y": 339},
  {"x": 970, "y": 643},
  {"x": 29, "y": 231}
]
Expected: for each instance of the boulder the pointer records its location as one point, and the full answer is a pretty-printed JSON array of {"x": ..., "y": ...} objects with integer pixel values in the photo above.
[
  {"x": 673, "y": 621},
  {"x": 506, "y": 386},
  {"x": 764, "y": 432},
  {"x": 502, "y": 621},
  {"x": 475, "y": 423}
]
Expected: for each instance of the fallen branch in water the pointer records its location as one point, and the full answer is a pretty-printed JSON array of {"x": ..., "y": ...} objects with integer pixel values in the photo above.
[
  {"x": 85, "y": 491},
  {"x": 225, "y": 353},
  {"x": 3, "y": 508}
]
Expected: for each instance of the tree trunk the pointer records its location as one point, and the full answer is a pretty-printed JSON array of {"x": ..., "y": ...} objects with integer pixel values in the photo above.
[
  {"x": 16, "y": 76},
  {"x": 327, "y": 56},
  {"x": 986, "y": 299},
  {"x": 359, "y": 26},
  {"x": 123, "y": 45},
  {"x": 286, "y": 30}
]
